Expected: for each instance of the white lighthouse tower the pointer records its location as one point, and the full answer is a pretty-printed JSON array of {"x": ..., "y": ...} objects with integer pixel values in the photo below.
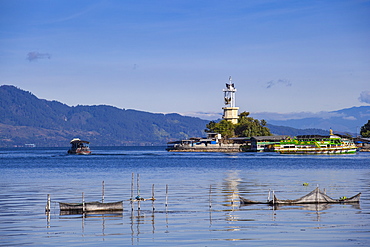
[{"x": 230, "y": 110}]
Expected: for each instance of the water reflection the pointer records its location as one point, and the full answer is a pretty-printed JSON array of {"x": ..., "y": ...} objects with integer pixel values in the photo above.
[
  {"x": 226, "y": 201},
  {"x": 47, "y": 219},
  {"x": 26, "y": 177},
  {"x": 313, "y": 206},
  {"x": 137, "y": 220},
  {"x": 230, "y": 187},
  {"x": 231, "y": 192}
]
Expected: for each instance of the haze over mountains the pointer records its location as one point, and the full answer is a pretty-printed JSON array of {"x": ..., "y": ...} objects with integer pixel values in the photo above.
[
  {"x": 347, "y": 120},
  {"x": 25, "y": 119}
]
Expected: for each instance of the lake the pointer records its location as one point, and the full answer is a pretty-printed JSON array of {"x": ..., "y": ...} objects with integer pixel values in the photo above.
[{"x": 203, "y": 207}]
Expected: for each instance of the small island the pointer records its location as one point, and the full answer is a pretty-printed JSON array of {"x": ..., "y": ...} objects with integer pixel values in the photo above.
[{"x": 241, "y": 133}]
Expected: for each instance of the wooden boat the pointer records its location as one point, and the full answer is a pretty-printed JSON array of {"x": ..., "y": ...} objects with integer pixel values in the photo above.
[
  {"x": 315, "y": 196},
  {"x": 91, "y": 206},
  {"x": 79, "y": 147}
]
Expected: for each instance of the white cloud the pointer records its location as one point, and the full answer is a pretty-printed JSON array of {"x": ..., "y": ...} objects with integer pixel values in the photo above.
[
  {"x": 283, "y": 82},
  {"x": 272, "y": 115},
  {"x": 365, "y": 97},
  {"x": 203, "y": 115},
  {"x": 34, "y": 55},
  {"x": 350, "y": 118},
  {"x": 294, "y": 115}
]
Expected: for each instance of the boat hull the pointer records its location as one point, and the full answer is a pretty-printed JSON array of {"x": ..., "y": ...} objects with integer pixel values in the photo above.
[
  {"x": 83, "y": 152},
  {"x": 317, "y": 144},
  {"x": 91, "y": 206},
  {"x": 318, "y": 151}
]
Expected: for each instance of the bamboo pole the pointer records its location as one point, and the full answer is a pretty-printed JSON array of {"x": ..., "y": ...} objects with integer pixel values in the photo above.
[
  {"x": 47, "y": 208},
  {"x": 153, "y": 197},
  {"x": 102, "y": 199},
  {"x": 317, "y": 196},
  {"x": 132, "y": 192},
  {"x": 138, "y": 184},
  {"x": 132, "y": 186}
]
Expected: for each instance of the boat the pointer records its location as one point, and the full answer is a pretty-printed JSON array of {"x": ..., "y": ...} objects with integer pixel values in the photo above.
[
  {"x": 315, "y": 196},
  {"x": 79, "y": 147},
  {"x": 316, "y": 144},
  {"x": 91, "y": 206}
]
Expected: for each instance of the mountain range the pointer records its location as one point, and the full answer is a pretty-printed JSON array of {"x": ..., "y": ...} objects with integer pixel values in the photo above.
[
  {"x": 26, "y": 119},
  {"x": 349, "y": 120}
]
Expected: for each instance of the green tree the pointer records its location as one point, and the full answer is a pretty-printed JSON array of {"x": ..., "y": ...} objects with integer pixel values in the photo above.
[
  {"x": 246, "y": 127},
  {"x": 211, "y": 126},
  {"x": 365, "y": 130},
  {"x": 224, "y": 127},
  {"x": 244, "y": 114}
]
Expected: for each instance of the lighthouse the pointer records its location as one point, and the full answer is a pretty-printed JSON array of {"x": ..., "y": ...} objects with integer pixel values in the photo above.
[{"x": 230, "y": 110}]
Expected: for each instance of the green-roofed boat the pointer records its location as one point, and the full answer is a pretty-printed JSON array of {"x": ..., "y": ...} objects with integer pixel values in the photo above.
[{"x": 317, "y": 144}]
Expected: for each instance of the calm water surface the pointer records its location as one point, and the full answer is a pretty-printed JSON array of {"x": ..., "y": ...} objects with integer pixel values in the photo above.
[{"x": 193, "y": 216}]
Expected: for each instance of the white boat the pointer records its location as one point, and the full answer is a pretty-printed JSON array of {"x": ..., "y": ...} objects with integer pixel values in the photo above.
[
  {"x": 79, "y": 147},
  {"x": 316, "y": 144}
]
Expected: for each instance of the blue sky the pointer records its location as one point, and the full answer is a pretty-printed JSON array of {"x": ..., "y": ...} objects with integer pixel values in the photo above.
[{"x": 175, "y": 56}]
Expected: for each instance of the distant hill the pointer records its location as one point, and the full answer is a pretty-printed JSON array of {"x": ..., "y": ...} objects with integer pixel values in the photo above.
[
  {"x": 25, "y": 119},
  {"x": 284, "y": 130},
  {"x": 348, "y": 120}
]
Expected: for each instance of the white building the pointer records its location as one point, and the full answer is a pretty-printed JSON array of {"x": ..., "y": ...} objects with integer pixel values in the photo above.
[{"x": 230, "y": 110}]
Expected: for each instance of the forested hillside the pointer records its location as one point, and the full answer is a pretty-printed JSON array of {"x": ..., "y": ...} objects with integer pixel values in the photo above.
[{"x": 27, "y": 119}]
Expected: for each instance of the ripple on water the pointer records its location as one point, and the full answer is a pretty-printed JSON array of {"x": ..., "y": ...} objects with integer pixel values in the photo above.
[{"x": 27, "y": 177}]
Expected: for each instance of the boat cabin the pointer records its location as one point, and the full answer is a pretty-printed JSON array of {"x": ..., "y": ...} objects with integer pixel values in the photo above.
[
  {"x": 266, "y": 143},
  {"x": 79, "y": 147}
]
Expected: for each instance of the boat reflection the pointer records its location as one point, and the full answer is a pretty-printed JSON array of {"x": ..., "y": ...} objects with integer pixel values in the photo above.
[
  {"x": 314, "y": 206},
  {"x": 92, "y": 215},
  {"x": 308, "y": 206}
]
